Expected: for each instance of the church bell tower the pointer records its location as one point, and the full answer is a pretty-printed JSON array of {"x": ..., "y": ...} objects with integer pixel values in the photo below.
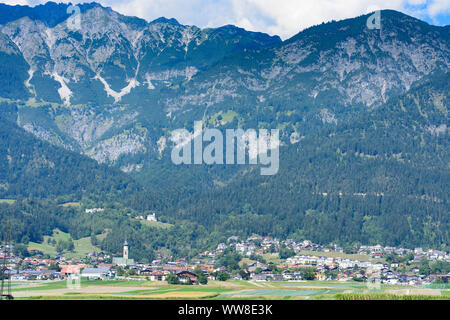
[{"x": 125, "y": 249}]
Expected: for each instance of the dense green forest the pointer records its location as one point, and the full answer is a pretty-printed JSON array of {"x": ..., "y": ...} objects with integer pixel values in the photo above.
[
  {"x": 40, "y": 178},
  {"x": 381, "y": 177},
  {"x": 30, "y": 167}
]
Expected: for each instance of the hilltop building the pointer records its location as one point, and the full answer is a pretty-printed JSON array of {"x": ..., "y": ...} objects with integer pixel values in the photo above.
[
  {"x": 149, "y": 217},
  {"x": 94, "y": 210}
]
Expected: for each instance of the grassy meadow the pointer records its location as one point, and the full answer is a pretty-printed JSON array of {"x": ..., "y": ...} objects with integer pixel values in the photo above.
[
  {"x": 228, "y": 290},
  {"x": 83, "y": 246}
]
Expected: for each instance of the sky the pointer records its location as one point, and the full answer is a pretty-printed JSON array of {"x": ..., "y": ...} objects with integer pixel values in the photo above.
[{"x": 275, "y": 17}]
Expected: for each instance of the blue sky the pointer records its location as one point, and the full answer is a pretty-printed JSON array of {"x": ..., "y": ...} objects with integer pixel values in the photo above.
[{"x": 281, "y": 17}]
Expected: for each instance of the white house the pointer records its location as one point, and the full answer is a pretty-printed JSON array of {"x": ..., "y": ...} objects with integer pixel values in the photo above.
[
  {"x": 94, "y": 210},
  {"x": 97, "y": 273}
]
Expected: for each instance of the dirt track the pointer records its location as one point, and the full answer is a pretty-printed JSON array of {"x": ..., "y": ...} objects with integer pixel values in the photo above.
[{"x": 89, "y": 289}]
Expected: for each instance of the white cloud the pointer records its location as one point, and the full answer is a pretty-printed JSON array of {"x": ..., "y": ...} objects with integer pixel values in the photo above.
[
  {"x": 439, "y": 7},
  {"x": 281, "y": 17},
  {"x": 291, "y": 16},
  {"x": 14, "y": 2},
  {"x": 416, "y": 2}
]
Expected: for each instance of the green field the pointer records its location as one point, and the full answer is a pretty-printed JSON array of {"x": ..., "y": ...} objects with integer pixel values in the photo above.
[
  {"x": 224, "y": 117},
  {"x": 71, "y": 204},
  {"x": 233, "y": 289},
  {"x": 156, "y": 224},
  {"x": 284, "y": 293},
  {"x": 333, "y": 254},
  {"x": 46, "y": 249},
  {"x": 83, "y": 246},
  {"x": 7, "y": 201},
  {"x": 387, "y": 296}
]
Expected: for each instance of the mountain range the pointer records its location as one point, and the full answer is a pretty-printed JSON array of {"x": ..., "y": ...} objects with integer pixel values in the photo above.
[{"x": 362, "y": 115}]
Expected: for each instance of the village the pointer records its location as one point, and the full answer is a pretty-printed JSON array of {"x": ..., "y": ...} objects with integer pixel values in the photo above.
[{"x": 254, "y": 259}]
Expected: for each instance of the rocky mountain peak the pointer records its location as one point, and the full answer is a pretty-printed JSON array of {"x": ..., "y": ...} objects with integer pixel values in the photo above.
[{"x": 116, "y": 69}]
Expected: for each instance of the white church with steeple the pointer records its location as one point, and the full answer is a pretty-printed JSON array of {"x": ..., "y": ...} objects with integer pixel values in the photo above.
[{"x": 124, "y": 260}]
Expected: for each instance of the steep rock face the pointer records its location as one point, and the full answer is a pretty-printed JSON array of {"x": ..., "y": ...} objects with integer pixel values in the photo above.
[
  {"x": 345, "y": 60},
  {"x": 116, "y": 53},
  {"x": 110, "y": 59},
  {"x": 362, "y": 114},
  {"x": 122, "y": 83},
  {"x": 103, "y": 136},
  {"x": 127, "y": 142}
]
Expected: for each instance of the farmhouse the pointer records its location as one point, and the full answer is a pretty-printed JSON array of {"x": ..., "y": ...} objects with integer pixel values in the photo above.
[
  {"x": 157, "y": 276},
  {"x": 71, "y": 269},
  {"x": 187, "y": 276}
]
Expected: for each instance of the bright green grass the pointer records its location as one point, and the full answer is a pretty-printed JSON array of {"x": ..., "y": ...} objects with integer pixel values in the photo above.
[
  {"x": 237, "y": 282},
  {"x": 33, "y": 103},
  {"x": 119, "y": 283},
  {"x": 387, "y": 296},
  {"x": 86, "y": 297},
  {"x": 283, "y": 293},
  {"x": 61, "y": 284},
  {"x": 50, "y": 285},
  {"x": 71, "y": 204},
  {"x": 177, "y": 289},
  {"x": 227, "y": 117},
  {"x": 59, "y": 235},
  {"x": 46, "y": 249},
  {"x": 437, "y": 286},
  {"x": 228, "y": 297},
  {"x": 274, "y": 258},
  {"x": 361, "y": 257},
  {"x": 83, "y": 246},
  {"x": 240, "y": 290},
  {"x": 156, "y": 224},
  {"x": 7, "y": 201},
  {"x": 329, "y": 285}
]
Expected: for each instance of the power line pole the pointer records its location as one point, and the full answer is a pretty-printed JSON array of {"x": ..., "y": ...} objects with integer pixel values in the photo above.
[{"x": 5, "y": 272}]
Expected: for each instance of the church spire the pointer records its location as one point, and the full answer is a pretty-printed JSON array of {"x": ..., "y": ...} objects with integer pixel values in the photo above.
[{"x": 125, "y": 249}]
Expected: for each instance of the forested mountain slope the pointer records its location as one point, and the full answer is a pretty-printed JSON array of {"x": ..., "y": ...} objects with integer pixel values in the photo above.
[
  {"x": 86, "y": 116},
  {"x": 381, "y": 177}
]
